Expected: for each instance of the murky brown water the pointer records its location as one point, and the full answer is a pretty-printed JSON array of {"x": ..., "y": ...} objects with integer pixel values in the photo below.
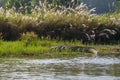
[{"x": 81, "y": 68}]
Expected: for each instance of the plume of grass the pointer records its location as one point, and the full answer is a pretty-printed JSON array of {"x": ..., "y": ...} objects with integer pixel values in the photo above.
[{"x": 46, "y": 20}]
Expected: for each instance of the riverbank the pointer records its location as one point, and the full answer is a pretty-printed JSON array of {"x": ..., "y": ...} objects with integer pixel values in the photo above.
[
  {"x": 42, "y": 48},
  {"x": 33, "y": 34}
]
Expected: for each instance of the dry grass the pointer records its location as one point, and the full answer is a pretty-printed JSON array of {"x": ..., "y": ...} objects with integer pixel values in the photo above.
[{"x": 47, "y": 21}]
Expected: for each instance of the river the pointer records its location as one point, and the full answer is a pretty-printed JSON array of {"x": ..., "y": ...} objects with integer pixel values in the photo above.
[{"x": 80, "y": 68}]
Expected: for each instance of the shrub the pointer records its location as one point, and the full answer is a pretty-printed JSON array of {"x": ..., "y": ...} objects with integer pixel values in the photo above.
[
  {"x": 29, "y": 35},
  {"x": 29, "y": 38},
  {"x": 9, "y": 31},
  {"x": 0, "y": 36}
]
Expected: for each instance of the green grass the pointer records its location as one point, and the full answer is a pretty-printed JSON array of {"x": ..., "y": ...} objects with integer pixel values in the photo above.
[
  {"x": 42, "y": 48},
  {"x": 34, "y": 48}
]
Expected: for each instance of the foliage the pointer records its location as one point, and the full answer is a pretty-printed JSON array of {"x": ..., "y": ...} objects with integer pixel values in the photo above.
[
  {"x": 26, "y": 6},
  {"x": 118, "y": 7},
  {"x": 9, "y": 31},
  {"x": 65, "y": 23},
  {"x": 19, "y": 5},
  {"x": 29, "y": 35},
  {"x": 0, "y": 36},
  {"x": 29, "y": 38}
]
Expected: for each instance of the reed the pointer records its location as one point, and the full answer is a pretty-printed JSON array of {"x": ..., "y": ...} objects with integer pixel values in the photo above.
[{"x": 61, "y": 23}]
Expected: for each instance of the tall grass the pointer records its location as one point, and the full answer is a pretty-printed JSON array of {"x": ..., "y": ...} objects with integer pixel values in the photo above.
[{"x": 55, "y": 22}]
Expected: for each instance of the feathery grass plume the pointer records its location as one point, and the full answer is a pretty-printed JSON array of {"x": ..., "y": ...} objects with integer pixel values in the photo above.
[{"x": 2, "y": 11}]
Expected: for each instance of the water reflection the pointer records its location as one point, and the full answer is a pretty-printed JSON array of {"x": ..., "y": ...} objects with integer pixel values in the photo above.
[{"x": 82, "y": 68}]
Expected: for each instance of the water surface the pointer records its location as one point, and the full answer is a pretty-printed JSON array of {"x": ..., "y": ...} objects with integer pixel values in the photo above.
[{"x": 81, "y": 68}]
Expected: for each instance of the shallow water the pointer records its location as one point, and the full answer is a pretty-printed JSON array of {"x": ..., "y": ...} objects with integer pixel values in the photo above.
[{"x": 81, "y": 68}]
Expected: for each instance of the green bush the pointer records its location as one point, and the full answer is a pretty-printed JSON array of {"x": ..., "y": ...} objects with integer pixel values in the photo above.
[{"x": 29, "y": 38}]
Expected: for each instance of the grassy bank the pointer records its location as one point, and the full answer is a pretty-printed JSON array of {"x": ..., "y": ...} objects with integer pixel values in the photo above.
[
  {"x": 35, "y": 48},
  {"x": 42, "y": 48},
  {"x": 33, "y": 34}
]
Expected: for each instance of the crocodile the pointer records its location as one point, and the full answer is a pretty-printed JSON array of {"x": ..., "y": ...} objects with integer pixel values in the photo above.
[{"x": 76, "y": 48}]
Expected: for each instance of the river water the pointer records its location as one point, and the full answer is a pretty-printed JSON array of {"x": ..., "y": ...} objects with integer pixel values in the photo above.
[{"x": 80, "y": 68}]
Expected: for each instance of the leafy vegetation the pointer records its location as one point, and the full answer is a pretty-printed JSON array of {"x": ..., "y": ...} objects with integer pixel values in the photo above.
[
  {"x": 46, "y": 25},
  {"x": 26, "y": 6},
  {"x": 62, "y": 24}
]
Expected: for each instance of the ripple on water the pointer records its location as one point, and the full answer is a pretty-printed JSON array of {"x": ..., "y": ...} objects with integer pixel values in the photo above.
[
  {"x": 98, "y": 60},
  {"x": 87, "y": 60},
  {"x": 81, "y": 68}
]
